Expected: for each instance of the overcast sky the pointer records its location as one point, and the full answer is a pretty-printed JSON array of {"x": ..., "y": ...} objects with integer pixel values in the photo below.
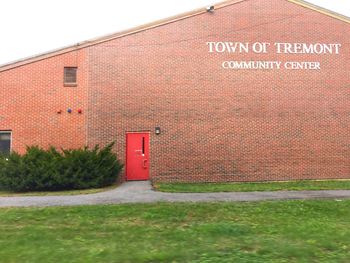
[{"x": 29, "y": 27}]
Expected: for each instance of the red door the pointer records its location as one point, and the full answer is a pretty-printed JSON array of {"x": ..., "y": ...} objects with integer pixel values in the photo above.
[{"x": 137, "y": 156}]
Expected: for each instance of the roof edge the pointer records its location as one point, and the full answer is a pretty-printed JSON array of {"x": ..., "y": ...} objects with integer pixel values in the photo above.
[
  {"x": 321, "y": 10},
  {"x": 109, "y": 37}
]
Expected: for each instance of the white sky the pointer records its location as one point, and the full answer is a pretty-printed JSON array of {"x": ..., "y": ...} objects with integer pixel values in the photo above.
[{"x": 29, "y": 27}]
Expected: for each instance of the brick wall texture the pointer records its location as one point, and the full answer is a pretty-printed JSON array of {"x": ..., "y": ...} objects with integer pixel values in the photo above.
[{"x": 216, "y": 124}]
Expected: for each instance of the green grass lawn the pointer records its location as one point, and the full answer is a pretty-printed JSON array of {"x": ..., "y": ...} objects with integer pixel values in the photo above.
[
  {"x": 288, "y": 231},
  {"x": 251, "y": 187},
  {"x": 67, "y": 192}
]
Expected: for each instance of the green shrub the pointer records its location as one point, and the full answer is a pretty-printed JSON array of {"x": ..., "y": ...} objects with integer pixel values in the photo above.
[{"x": 52, "y": 170}]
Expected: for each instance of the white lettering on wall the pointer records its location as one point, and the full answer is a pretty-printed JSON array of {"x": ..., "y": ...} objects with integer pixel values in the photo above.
[
  {"x": 230, "y": 47},
  {"x": 275, "y": 48},
  {"x": 303, "y": 48},
  {"x": 269, "y": 65},
  {"x": 258, "y": 47}
]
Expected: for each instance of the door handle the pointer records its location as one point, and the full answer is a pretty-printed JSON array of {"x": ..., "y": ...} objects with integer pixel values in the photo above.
[{"x": 144, "y": 163}]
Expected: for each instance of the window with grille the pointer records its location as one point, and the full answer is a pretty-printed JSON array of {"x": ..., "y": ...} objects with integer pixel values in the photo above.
[
  {"x": 70, "y": 76},
  {"x": 5, "y": 142}
]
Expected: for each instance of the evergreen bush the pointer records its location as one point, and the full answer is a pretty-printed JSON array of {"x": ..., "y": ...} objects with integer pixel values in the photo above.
[{"x": 53, "y": 170}]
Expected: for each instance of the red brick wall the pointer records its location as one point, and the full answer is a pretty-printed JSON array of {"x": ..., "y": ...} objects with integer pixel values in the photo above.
[
  {"x": 226, "y": 125},
  {"x": 30, "y": 96},
  {"x": 217, "y": 125}
]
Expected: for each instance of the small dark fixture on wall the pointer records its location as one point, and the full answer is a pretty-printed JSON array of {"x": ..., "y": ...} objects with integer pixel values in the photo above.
[
  {"x": 210, "y": 9},
  {"x": 70, "y": 76},
  {"x": 157, "y": 130}
]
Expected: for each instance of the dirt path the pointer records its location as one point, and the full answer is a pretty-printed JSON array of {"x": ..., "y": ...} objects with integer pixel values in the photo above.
[{"x": 141, "y": 192}]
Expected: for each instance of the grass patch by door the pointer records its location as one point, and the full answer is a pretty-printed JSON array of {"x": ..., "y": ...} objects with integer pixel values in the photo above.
[
  {"x": 252, "y": 187},
  {"x": 288, "y": 231}
]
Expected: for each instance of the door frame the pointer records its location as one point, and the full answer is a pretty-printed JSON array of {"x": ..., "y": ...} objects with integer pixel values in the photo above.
[{"x": 126, "y": 152}]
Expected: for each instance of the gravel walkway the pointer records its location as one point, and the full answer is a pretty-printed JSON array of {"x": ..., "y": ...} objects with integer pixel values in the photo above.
[{"x": 141, "y": 192}]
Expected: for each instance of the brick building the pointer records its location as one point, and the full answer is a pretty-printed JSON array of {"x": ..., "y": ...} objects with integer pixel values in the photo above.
[{"x": 246, "y": 90}]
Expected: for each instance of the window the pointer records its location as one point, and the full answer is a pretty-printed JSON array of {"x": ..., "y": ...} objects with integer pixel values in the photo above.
[
  {"x": 70, "y": 76},
  {"x": 5, "y": 142}
]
